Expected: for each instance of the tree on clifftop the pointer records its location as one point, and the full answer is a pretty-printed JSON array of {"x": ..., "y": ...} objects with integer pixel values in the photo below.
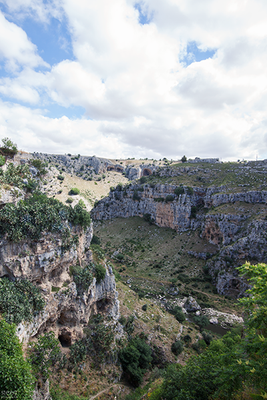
[{"x": 183, "y": 159}]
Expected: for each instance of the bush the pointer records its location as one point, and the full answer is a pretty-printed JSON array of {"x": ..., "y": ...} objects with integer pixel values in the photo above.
[
  {"x": 136, "y": 195},
  {"x": 8, "y": 147},
  {"x": 38, "y": 164},
  {"x": 19, "y": 300},
  {"x": 100, "y": 272},
  {"x": 179, "y": 190},
  {"x": 69, "y": 200},
  {"x": 44, "y": 354},
  {"x": 169, "y": 197},
  {"x": 74, "y": 191},
  {"x": 16, "y": 380},
  {"x": 2, "y": 160},
  {"x": 95, "y": 240},
  {"x": 29, "y": 218},
  {"x": 83, "y": 277},
  {"x": 177, "y": 347},
  {"x": 143, "y": 179},
  {"x": 183, "y": 159},
  {"x": 60, "y": 177},
  {"x": 144, "y": 307},
  {"x": 135, "y": 360},
  {"x": 201, "y": 320}
]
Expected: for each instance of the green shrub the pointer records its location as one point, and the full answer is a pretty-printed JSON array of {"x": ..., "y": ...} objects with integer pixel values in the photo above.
[
  {"x": 14, "y": 175},
  {"x": 143, "y": 179},
  {"x": 44, "y": 354},
  {"x": 135, "y": 360},
  {"x": 169, "y": 197},
  {"x": 74, "y": 191},
  {"x": 19, "y": 300},
  {"x": 177, "y": 347},
  {"x": 38, "y": 164},
  {"x": 8, "y": 147},
  {"x": 100, "y": 272},
  {"x": 39, "y": 213},
  {"x": 60, "y": 177},
  {"x": 144, "y": 307},
  {"x": 95, "y": 240},
  {"x": 16, "y": 379},
  {"x": 83, "y": 277},
  {"x": 69, "y": 200},
  {"x": 179, "y": 190},
  {"x": 136, "y": 195},
  {"x": 201, "y": 320},
  {"x": 190, "y": 191},
  {"x": 2, "y": 160}
]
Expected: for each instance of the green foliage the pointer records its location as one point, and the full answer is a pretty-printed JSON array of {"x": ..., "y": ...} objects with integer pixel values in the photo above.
[
  {"x": 100, "y": 337},
  {"x": 190, "y": 191},
  {"x": 147, "y": 217},
  {"x": 2, "y": 160},
  {"x": 136, "y": 195},
  {"x": 169, "y": 197},
  {"x": 177, "y": 347},
  {"x": 69, "y": 200},
  {"x": 79, "y": 216},
  {"x": 95, "y": 240},
  {"x": 201, "y": 320},
  {"x": 44, "y": 354},
  {"x": 98, "y": 251},
  {"x": 16, "y": 380},
  {"x": 29, "y": 218},
  {"x": 144, "y": 307},
  {"x": 19, "y": 300},
  {"x": 74, "y": 191},
  {"x": 8, "y": 147},
  {"x": 38, "y": 164},
  {"x": 179, "y": 190},
  {"x": 193, "y": 212},
  {"x": 100, "y": 272},
  {"x": 59, "y": 394},
  {"x": 143, "y": 179},
  {"x": 135, "y": 360},
  {"x": 83, "y": 277},
  {"x": 178, "y": 313},
  {"x": 14, "y": 175},
  {"x": 60, "y": 177},
  {"x": 183, "y": 159}
]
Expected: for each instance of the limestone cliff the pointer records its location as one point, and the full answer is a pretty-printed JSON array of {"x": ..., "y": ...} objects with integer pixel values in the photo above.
[
  {"x": 46, "y": 263},
  {"x": 239, "y": 234}
]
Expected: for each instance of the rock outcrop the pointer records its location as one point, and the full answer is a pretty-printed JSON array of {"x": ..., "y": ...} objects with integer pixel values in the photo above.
[
  {"x": 47, "y": 264},
  {"x": 239, "y": 236}
]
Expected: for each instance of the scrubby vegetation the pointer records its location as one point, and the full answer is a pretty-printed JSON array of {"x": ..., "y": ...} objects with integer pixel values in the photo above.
[
  {"x": 19, "y": 300},
  {"x": 39, "y": 213}
]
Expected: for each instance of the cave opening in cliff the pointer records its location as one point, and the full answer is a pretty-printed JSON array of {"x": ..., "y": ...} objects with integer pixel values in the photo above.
[
  {"x": 103, "y": 304},
  {"x": 146, "y": 172},
  {"x": 65, "y": 339}
]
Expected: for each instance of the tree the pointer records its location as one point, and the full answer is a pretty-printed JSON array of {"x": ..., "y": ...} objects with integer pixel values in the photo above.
[
  {"x": 183, "y": 159},
  {"x": 16, "y": 380},
  {"x": 8, "y": 146}
]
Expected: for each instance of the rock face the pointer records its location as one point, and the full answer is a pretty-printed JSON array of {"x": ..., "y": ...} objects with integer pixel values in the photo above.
[
  {"x": 239, "y": 236},
  {"x": 46, "y": 263}
]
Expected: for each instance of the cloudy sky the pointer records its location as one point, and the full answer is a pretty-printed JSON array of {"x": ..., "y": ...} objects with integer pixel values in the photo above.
[{"x": 120, "y": 78}]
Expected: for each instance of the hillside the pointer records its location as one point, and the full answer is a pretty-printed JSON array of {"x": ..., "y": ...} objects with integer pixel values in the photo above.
[{"x": 156, "y": 271}]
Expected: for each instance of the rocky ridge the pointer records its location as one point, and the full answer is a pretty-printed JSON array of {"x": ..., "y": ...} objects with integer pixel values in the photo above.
[{"x": 238, "y": 236}]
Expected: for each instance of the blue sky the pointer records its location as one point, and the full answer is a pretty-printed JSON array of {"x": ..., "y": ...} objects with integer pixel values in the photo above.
[{"x": 135, "y": 79}]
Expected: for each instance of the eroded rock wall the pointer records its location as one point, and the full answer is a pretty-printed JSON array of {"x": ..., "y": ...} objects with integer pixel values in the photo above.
[
  {"x": 47, "y": 264},
  {"x": 239, "y": 237}
]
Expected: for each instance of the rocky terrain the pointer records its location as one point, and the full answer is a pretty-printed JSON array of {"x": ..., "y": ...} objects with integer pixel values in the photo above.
[{"x": 211, "y": 213}]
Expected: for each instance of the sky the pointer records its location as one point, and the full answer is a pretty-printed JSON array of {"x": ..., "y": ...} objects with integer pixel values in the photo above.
[{"x": 121, "y": 78}]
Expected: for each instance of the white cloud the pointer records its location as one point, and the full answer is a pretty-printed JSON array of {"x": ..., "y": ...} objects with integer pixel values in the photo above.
[
  {"x": 129, "y": 79},
  {"x": 15, "y": 48}
]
